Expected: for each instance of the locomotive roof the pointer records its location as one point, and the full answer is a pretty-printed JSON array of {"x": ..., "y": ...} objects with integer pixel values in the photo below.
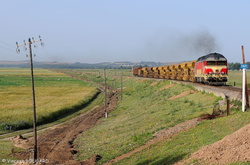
[{"x": 212, "y": 57}]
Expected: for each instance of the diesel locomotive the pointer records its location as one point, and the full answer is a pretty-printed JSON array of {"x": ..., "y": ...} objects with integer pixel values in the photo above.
[{"x": 209, "y": 69}]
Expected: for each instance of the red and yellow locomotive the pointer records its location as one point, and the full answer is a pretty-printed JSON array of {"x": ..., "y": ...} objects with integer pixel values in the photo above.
[{"x": 209, "y": 69}]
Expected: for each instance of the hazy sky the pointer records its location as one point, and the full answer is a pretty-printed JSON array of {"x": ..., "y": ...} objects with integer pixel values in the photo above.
[{"x": 95, "y": 31}]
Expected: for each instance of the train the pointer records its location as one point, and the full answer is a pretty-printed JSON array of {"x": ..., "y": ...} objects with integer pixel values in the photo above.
[{"x": 209, "y": 69}]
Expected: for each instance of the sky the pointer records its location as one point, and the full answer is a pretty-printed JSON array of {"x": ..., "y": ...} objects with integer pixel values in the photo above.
[{"x": 93, "y": 31}]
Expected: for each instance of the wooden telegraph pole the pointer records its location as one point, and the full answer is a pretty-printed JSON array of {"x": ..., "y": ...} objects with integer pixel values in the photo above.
[
  {"x": 105, "y": 95},
  {"x": 121, "y": 85},
  {"x": 245, "y": 86},
  {"x": 35, "y": 157},
  {"x": 34, "y": 102}
]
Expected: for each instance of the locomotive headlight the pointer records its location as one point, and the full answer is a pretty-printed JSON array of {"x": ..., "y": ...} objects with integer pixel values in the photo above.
[
  {"x": 223, "y": 71},
  {"x": 209, "y": 71}
]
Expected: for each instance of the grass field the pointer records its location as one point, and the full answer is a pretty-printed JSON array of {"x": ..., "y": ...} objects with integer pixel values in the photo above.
[
  {"x": 235, "y": 77},
  {"x": 7, "y": 145},
  {"x": 145, "y": 110},
  {"x": 56, "y": 95}
]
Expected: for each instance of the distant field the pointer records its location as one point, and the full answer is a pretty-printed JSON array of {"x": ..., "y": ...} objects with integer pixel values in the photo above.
[
  {"x": 56, "y": 94},
  {"x": 236, "y": 77}
]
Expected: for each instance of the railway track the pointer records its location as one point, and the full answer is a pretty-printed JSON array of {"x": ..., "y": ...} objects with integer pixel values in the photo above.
[{"x": 230, "y": 92}]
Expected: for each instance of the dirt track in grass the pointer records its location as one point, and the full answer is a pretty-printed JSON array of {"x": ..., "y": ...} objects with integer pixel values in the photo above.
[{"x": 56, "y": 145}]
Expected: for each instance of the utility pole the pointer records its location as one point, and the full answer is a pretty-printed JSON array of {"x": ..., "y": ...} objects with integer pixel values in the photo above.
[
  {"x": 105, "y": 95},
  {"x": 33, "y": 89},
  {"x": 121, "y": 85},
  {"x": 115, "y": 84}
]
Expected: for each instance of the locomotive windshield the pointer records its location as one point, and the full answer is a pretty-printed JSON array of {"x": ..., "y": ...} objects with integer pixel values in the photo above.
[
  {"x": 216, "y": 63},
  {"x": 222, "y": 63},
  {"x": 211, "y": 63}
]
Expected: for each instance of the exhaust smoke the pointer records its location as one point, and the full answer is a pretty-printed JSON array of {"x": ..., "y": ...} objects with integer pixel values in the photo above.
[{"x": 177, "y": 46}]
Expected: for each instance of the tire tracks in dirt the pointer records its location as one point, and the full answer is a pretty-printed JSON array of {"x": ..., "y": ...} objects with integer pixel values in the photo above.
[{"x": 56, "y": 145}]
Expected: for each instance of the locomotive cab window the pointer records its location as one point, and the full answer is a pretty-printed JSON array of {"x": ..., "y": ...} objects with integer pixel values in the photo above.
[
  {"x": 222, "y": 63},
  {"x": 211, "y": 62},
  {"x": 216, "y": 63}
]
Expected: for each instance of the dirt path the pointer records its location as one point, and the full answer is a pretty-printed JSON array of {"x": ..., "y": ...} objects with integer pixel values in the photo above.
[
  {"x": 181, "y": 95},
  {"x": 56, "y": 145},
  {"x": 160, "y": 136}
]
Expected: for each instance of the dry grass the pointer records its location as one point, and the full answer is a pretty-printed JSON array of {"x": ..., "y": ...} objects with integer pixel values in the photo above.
[
  {"x": 16, "y": 102},
  {"x": 55, "y": 92}
]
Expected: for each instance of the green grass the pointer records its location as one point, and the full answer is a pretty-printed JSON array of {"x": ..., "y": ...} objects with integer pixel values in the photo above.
[
  {"x": 183, "y": 144},
  {"x": 6, "y": 150},
  {"x": 57, "y": 95},
  {"x": 143, "y": 111},
  {"x": 235, "y": 77},
  {"x": 113, "y": 76},
  {"x": 7, "y": 146},
  {"x": 97, "y": 102}
]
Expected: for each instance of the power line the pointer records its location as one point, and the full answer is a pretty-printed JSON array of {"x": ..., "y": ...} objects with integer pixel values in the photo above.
[
  {"x": 11, "y": 50},
  {"x": 6, "y": 48},
  {"x": 10, "y": 47},
  {"x": 8, "y": 44}
]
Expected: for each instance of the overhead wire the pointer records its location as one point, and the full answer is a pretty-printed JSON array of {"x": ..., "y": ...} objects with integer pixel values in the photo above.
[
  {"x": 6, "y": 48},
  {"x": 7, "y": 44},
  {"x": 10, "y": 48},
  {"x": 13, "y": 49}
]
